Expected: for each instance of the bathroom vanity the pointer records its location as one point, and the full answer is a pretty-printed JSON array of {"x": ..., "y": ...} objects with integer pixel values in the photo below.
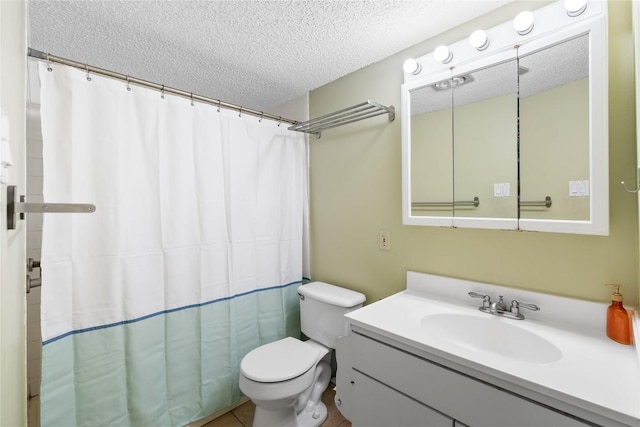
[{"x": 428, "y": 357}]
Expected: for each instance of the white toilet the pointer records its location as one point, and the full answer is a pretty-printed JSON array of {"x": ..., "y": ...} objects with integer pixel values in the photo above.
[{"x": 286, "y": 378}]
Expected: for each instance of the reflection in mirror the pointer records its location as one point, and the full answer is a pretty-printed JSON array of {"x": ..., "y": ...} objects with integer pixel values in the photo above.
[
  {"x": 431, "y": 152},
  {"x": 485, "y": 142},
  {"x": 554, "y": 131}
]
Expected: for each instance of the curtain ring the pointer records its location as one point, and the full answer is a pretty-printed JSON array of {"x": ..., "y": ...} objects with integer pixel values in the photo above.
[
  {"x": 128, "y": 85},
  {"x": 219, "y": 105},
  {"x": 162, "y": 92},
  {"x": 261, "y": 116},
  {"x": 279, "y": 120},
  {"x": 86, "y": 67},
  {"x": 49, "y": 63},
  {"x": 192, "y": 104},
  {"x": 240, "y": 113}
]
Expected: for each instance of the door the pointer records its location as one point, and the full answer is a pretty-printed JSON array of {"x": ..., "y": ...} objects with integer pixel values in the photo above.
[{"x": 13, "y": 389}]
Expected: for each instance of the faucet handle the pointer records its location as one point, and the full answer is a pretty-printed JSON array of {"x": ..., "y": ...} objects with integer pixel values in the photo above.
[
  {"x": 517, "y": 305},
  {"x": 477, "y": 295},
  {"x": 514, "y": 312},
  {"x": 486, "y": 300}
]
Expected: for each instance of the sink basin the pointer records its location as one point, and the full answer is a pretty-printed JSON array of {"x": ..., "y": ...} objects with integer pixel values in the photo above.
[{"x": 491, "y": 334}]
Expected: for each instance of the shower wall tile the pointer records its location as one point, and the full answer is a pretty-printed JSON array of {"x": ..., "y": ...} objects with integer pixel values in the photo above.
[
  {"x": 34, "y": 221},
  {"x": 33, "y": 253},
  {"x": 34, "y": 245},
  {"x": 34, "y": 239},
  {"x": 34, "y": 184},
  {"x": 34, "y": 166},
  {"x": 34, "y": 150}
]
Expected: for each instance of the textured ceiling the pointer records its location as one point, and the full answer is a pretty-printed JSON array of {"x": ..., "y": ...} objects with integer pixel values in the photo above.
[{"x": 257, "y": 54}]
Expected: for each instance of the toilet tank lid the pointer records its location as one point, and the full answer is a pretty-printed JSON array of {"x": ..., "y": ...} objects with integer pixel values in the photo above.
[{"x": 331, "y": 294}]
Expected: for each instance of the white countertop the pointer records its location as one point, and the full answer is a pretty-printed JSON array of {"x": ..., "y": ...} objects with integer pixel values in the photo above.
[{"x": 594, "y": 372}]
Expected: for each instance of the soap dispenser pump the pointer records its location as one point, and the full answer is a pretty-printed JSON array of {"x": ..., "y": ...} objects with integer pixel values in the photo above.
[{"x": 618, "y": 323}]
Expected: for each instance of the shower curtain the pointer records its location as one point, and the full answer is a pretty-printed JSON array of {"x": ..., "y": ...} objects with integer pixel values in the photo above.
[{"x": 192, "y": 258}]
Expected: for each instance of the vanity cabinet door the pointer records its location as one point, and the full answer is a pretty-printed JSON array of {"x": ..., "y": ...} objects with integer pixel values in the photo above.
[
  {"x": 376, "y": 405},
  {"x": 459, "y": 396}
]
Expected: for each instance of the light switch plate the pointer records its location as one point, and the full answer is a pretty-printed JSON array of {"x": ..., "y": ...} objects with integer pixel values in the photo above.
[
  {"x": 502, "y": 189},
  {"x": 579, "y": 188}
]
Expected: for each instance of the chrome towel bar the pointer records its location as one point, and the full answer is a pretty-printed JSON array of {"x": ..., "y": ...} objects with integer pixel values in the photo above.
[
  {"x": 14, "y": 207},
  {"x": 546, "y": 203},
  {"x": 461, "y": 203},
  {"x": 352, "y": 114}
]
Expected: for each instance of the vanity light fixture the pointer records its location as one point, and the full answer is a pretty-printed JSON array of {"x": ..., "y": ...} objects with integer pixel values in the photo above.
[
  {"x": 412, "y": 66},
  {"x": 575, "y": 7},
  {"x": 523, "y": 23},
  {"x": 453, "y": 82},
  {"x": 443, "y": 54},
  {"x": 479, "y": 40}
]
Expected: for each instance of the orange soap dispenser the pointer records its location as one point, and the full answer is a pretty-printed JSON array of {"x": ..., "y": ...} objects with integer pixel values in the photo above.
[{"x": 618, "y": 324}]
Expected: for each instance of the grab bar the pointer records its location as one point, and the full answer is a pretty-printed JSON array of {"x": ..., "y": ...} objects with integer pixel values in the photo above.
[
  {"x": 546, "y": 203},
  {"x": 470, "y": 203}
]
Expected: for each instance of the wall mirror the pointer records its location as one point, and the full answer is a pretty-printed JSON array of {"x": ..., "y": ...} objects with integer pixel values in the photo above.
[
  {"x": 432, "y": 152},
  {"x": 485, "y": 120},
  {"x": 514, "y": 135}
]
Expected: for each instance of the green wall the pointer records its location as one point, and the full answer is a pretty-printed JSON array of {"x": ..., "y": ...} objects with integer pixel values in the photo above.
[{"x": 356, "y": 191}]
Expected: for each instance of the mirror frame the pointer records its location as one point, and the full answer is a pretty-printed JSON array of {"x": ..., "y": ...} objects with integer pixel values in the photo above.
[{"x": 552, "y": 26}]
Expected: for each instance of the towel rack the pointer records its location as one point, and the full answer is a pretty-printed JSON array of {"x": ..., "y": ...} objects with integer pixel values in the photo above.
[
  {"x": 15, "y": 208},
  {"x": 352, "y": 114},
  {"x": 470, "y": 203},
  {"x": 546, "y": 203}
]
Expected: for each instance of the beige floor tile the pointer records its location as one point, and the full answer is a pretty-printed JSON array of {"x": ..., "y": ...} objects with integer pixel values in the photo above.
[
  {"x": 334, "y": 417},
  {"x": 245, "y": 413},
  {"x": 226, "y": 420}
]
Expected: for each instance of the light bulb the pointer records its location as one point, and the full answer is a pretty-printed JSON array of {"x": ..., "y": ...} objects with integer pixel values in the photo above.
[
  {"x": 443, "y": 54},
  {"x": 523, "y": 23},
  {"x": 575, "y": 7},
  {"x": 412, "y": 66},
  {"x": 479, "y": 40}
]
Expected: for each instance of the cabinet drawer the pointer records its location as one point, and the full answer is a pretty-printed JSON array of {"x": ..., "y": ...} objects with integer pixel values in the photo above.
[
  {"x": 376, "y": 405},
  {"x": 465, "y": 399}
]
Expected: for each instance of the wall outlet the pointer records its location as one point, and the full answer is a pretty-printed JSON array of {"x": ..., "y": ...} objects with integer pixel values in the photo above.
[{"x": 384, "y": 240}]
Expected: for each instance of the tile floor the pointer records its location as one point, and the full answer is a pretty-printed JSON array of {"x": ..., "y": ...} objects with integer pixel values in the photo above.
[{"x": 242, "y": 416}]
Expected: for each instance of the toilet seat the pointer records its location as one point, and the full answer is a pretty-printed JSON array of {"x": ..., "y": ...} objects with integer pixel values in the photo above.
[{"x": 279, "y": 361}]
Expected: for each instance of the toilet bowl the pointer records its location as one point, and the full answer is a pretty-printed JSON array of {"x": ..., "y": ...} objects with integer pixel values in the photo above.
[{"x": 286, "y": 378}]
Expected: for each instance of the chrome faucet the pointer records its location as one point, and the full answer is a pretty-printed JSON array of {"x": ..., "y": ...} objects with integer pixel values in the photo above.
[{"x": 499, "y": 308}]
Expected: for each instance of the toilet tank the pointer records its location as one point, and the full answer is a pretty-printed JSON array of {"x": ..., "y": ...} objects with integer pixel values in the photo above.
[{"x": 322, "y": 307}]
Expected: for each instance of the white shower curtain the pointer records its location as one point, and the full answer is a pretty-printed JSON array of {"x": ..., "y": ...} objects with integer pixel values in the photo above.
[{"x": 192, "y": 258}]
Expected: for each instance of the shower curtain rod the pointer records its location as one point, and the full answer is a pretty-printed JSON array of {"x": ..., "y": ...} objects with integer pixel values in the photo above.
[{"x": 162, "y": 88}]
